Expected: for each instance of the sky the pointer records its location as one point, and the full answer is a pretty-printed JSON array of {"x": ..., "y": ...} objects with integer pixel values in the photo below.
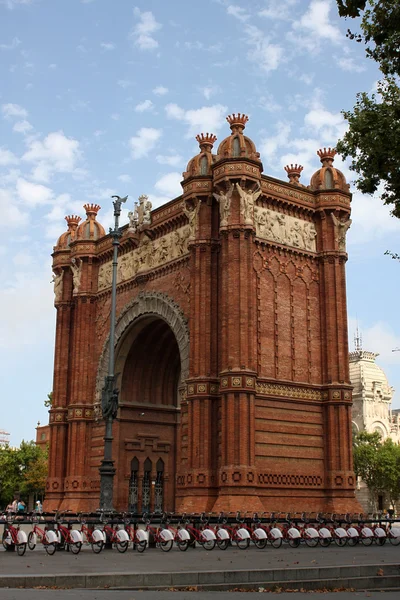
[{"x": 100, "y": 97}]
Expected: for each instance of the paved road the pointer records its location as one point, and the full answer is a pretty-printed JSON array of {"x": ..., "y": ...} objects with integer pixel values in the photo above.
[
  {"x": 154, "y": 560},
  {"x": 114, "y": 595}
]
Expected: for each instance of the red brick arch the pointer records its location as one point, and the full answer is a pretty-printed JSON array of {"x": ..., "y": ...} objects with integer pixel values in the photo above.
[{"x": 154, "y": 304}]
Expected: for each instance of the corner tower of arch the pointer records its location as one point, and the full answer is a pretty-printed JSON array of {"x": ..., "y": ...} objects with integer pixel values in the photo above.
[{"x": 231, "y": 344}]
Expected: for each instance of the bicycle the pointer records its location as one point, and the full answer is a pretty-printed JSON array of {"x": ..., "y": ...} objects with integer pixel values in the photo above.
[
  {"x": 47, "y": 537},
  {"x": 181, "y": 536},
  {"x": 205, "y": 537},
  {"x": 14, "y": 535},
  {"x": 91, "y": 536},
  {"x": 162, "y": 535},
  {"x": 71, "y": 538},
  {"x": 138, "y": 537},
  {"x": 119, "y": 537}
]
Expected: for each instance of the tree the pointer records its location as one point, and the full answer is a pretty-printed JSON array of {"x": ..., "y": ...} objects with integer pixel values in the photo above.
[
  {"x": 389, "y": 467},
  {"x": 49, "y": 402},
  {"x": 372, "y": 140},
  {"x": 365, "y": 456},
  {"x": 23, "y": 471}
]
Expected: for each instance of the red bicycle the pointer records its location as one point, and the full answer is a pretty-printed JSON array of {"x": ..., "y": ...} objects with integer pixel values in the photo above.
[
  {"x": 162, "y": 536},
  {"x": 138, "y": 537},
  {"x": 205, "y": 537},
  {"x": 14, "y": 536},
  {"x": 91, "y": 536},
  {"x": 116, "y": 536},
  {"x": 71, "y": 538},
  {"x": 47, "y": 537}
]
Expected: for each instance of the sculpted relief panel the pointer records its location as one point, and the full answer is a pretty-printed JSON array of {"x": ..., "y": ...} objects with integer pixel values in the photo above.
[
  {"x": 284, "y": 229},
  {"x": 148, "y": 255}
]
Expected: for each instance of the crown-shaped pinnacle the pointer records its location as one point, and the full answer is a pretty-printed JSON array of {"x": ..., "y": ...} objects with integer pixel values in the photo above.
[
  {"x": 72, "y": 221},
  {"x": 206, "y": 140},
  {"x": 237, "y": 122},
  {"x": 326, "y": 155},
  {"x": 91, "y": 209},
  {"x": 294, "y": 172}
]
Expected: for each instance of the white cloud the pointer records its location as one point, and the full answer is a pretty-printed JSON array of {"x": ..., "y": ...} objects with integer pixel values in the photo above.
[
  {"x": 377, "y": 337},
  {"x": 124, "y": 83},
  {"x": 329, "y": 126},
  {"x": 11, "y": 214},
  {"x": 32, "y": 194},
  {"x": 14, "y": 110},
  {"x": 281, "y": 10},
  {"x": 266, "y": 55},
  {"x": 238, "y": 12},
  {"x": 22, "y": 127},
  {"x": 371, "y": 218},
  {"x": 107, "y": 46},
  {"x": 125, "y": 178},
  {"x": 169, "y": 185},
  {"x": 201, "y": 120},
  {"x": 270, "y": 145},
  {"x": 267, "y": 102},
  {"x": 316, "y": 22},
  {"x": 144, "y": 106},
  {"x": 14, "y": 44},
  {"x": 347, "y": 63},
  {"x": 10, "y": 4},
  {"x": 210, "y": 90},
  {"x": 160, "y": 90},
  {"x": 172, "y": 160},
  {"x": 142, "y": 32},
  {"x": 56, "y": 153},
  {"x": 52, "y": 66},
  {"x": 145, "y": 140},
  {"x": 115, "y": 117},
  {"x": 7, "y": 158},
  {"x": 22, "y": 259}
]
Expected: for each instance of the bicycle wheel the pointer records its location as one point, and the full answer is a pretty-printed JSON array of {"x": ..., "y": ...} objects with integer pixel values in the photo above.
[
  {"x": 260, "y": 544},
  {"x": 366, "y": 541},
  {"x": 276, "y": 542},
  {"x": 141, "y": 546},
  {"x": 32, "y": 540},
  {"x": 122, "y": 546},
  {"x": 352, "y": 541},
  {"x": 294, "y": 542},
  {"x": 243, "y": 543},
  {"x": 395, "y": 541},
  {"x": 380, "y": 541},
  {"x": 166, "y": 545},
  {"x": 222, "y": 544},
  {"x": 50, "y": 548},
  {"x": 3, "y": 539},
  {"x": 340, "y": 541},
  {"x": 97, "y": 547},
  {"x": 324, "y": 542},
  {"x": 21, "y": 549},
  {"x": 183, "y": 545},
  {"x": 208, "y": 544},
  {"x": 75, "y": 547},
  {"x": 311, "y": 542}
]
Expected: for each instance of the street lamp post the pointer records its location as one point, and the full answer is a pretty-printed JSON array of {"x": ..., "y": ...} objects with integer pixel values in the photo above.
[{"x": 109, "y": 393}]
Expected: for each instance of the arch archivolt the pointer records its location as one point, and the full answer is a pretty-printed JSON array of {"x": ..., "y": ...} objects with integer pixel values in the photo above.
[{"x": 145, "y": 305}]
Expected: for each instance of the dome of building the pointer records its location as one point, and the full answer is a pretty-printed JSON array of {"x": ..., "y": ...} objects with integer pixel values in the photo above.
[
  {"x": 90, "y": 229},
  {"x": 328, "y": 177},
  {"x": 68, "y": 236},
  {"x": 237, "y": 145},
  {"x": 201, "y": 163},
  {"x": 367, "y": 377}
]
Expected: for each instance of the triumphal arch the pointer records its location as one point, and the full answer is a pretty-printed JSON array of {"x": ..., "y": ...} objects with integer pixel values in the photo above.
[{"x": 231, "y": 343}]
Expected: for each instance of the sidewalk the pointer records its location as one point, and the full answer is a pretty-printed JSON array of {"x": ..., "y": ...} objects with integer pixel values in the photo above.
[{"x": 210, "y": 570}]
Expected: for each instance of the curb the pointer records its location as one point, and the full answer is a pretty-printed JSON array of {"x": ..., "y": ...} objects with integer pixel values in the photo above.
[{"x": 376, "y": 576}]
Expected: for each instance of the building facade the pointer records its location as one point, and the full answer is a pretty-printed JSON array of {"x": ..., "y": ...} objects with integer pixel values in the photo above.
[{"x": 231, "y": 344}]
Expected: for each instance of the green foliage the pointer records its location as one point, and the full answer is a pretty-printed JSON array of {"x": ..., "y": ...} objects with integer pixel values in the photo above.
[
  {"x": 23, "y": 471},
  {"x": 49, "y": 402},
  {"x": 378, "y": 464},
  {"x": 372, "y": 141}
]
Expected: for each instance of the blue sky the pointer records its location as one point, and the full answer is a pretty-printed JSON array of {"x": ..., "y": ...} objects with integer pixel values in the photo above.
[{"x": 100, "y": 97}]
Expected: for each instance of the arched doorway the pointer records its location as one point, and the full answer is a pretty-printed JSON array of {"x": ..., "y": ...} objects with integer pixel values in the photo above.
[{"x": 152, "y": 362}]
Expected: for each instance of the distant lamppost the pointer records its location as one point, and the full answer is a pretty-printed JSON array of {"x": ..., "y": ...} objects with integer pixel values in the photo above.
[{"x": 109, "y": 393}]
